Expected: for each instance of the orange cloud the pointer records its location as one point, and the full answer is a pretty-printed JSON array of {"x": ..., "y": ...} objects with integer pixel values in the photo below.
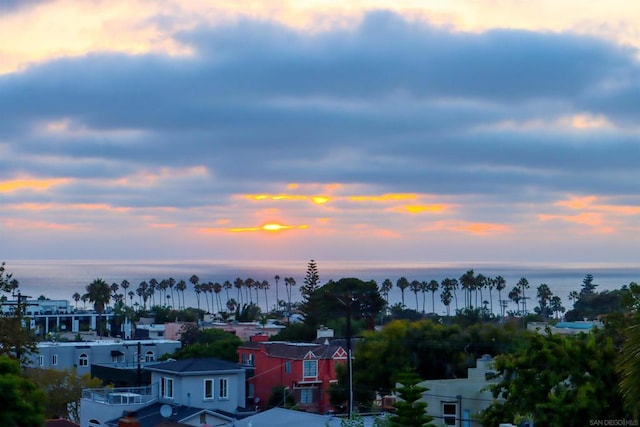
[
  {"x": 575, "y": 202},
  {"x": 383, "y": 198},
  {"x": 38, "y": 225},
  {"x": 268, "y": 227},
  {"x": 418, "y": 209},
  {"x": 30, "y": 184},
  {"x": 477, "y": 228}
]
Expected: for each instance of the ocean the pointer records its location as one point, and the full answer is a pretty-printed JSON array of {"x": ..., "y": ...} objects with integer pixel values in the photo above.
[{"x": 60, "y": 279}]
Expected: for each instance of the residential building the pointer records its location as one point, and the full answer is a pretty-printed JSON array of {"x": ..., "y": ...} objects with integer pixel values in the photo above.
[
  {"x": 305, "y": 370},
  {"x": 456, "y": 402},
  {"x": 246, "y": 330},
  {"x": 190, "y": 391},
  {"x": 83, "y": 354},
  {"x": 565, "y": 328}
]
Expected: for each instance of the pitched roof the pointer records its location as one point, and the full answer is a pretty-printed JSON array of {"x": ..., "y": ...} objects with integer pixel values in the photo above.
[
  {"x": 60, "y": 422},
  {"x": 150, "y": 415},
  {"x": 289, "y": 350},
  {"x": 195, "y": 366}
]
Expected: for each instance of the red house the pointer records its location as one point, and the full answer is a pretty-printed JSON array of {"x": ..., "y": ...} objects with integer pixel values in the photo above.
[{"x": 305, "y": 370}]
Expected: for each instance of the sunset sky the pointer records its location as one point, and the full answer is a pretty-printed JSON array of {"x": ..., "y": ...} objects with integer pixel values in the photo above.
[{"x": 433, "y": 130}]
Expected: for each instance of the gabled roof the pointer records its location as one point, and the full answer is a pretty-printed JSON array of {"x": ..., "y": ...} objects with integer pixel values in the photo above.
[
  {"x": 150, "y": 415},
  {"x": 195, "y": 366},
  {"x": 295, "y": 351},
  {"x": 60, "y": 423}
]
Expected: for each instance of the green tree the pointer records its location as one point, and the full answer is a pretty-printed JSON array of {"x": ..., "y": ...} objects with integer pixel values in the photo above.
[
  {"x": 211, "y": 343},
  {"x": 16, "y": 340},
  {"x": 629, "y": 368},
  {"x": 310, "y": 305},
  {"x": 544, "y": 295},
  {"x": 22, "y": 401},
  {"x": 99, "y": 293},
  {"x": 363, "y": 299},
  {"x": 588, "y": 287},
  {"x": 280, "y": 398},
  {"x": 560, "y": 380},
  {"x": 410, "y": 410},
  {"x": 402, "y": 284},
  {"x": 63, "y": 390}
]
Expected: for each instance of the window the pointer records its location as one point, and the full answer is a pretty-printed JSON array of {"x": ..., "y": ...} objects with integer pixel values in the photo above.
[
  {"x": 287, "y": 367},
  {"x": 449, "y": 413},
  {"x": 150, "y": 356},
  {"x": 310, "y": 368},
  {"x": 83, "y": 360},
  {"x": 223, "y": 391},
  {"x": 41, "y": 360},
  {"x": 306, "y": 395},
  {"x": 167, "y": 388},
  {"x": 208, "y": 389},
  {"x": 54, "y": 359}
]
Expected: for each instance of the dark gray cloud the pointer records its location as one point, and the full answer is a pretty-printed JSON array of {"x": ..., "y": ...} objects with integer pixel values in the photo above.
[{"x": 405, "y": 106}]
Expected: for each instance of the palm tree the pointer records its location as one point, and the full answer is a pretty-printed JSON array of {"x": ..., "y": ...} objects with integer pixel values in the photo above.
[
  {"x": 124, "y": 285},
  {"x": 574, "y": 296},
  {"x": 265, "y": 286},
  {"x": 445, "y": 297},
  {"x": 402, "y": 284},
  {"x": 227, "y": 285},
  {"x": 423, "y": 289},
  {"x": 198, "y": 291},
  {"x": 501, "y": 283},
  {"x": 451, "y": 286},
  {"x": 277, "y": 278},
  {"x": 142, "y": 293},
  {"x": 153, "y": 284},
  {"x": 238, "y": 284},
  {"x": 481, "y": 283},
  {"x": 248, "y": 286},
  {"x": 629, "y": 368},
  {"x": 217, "y": 288},
  {"x": 386, "y": 287},
  {"x": 131, "y": 295},
  {"x": 194, "y": 281},
  {"x": 544, "y": 295},
  {"x": 415, "y": 288},
  {"x": 114, "y": 290},
  {"x": 99, "y": 293},
  {"x": 76, "y": 297},
  {"x": 523, "y": 284},
  {"x": 171, "y": 282},
  {"x": 491, "y": 283},
  {"x": 468, "y": 285},
  {"x": 289, "y": 283},
  {"x": 180, "y": 287},
  {"x": 433, "y": 286},
  {"x": 204, "y": 288},
  {"x": 556, "y": 306},
  {"x": 515, "y": 296}
]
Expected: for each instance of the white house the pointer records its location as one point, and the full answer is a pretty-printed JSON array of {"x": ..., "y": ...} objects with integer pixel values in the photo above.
[
  {"x": 191, "y": 391},
  {"x": 456, "y": 402},
  {"x": 82, "y": 354}
]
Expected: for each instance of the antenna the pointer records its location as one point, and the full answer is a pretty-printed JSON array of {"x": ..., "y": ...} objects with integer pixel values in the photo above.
[{"x": 166, "y": 411}]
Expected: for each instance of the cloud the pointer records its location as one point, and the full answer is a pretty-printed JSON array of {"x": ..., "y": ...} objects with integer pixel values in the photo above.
[
  {"x": 487, "y": 130},
  {"x": 15, "y": 5}
]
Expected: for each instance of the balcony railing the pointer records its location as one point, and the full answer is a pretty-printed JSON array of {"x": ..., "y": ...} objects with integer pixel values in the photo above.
[{"x": 122, "y": 395}]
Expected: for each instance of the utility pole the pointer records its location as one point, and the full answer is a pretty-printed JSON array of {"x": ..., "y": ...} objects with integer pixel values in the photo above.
[
  {"x": 347, "y": 304},
  {"x": 349, "y": 361}
]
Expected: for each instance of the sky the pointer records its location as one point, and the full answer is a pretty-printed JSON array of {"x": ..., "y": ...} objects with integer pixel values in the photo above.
[{"x": 435, "y": 131}]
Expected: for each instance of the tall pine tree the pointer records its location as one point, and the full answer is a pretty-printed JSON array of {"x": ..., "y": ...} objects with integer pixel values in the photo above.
[{"x": 410, "y": 411}]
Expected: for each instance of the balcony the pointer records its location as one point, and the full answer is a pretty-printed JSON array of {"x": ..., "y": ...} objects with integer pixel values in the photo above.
[{"x": 122, "y": 395}]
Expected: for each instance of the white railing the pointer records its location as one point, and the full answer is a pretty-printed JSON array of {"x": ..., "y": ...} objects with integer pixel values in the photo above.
[{"x": 122, "y": 395}]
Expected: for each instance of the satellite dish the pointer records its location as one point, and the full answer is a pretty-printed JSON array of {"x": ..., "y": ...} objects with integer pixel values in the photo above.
[{"x": 166, "y": 411}]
